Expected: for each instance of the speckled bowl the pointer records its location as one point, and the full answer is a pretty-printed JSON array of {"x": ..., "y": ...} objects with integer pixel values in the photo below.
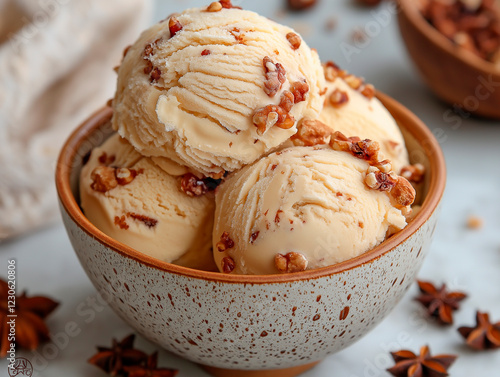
[
  {"x": 455, "y": 75},
  {"x": 275, "y": 325}
]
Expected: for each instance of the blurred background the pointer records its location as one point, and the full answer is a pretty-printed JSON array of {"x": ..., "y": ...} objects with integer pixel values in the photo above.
[{"x": 56, "y": 68}]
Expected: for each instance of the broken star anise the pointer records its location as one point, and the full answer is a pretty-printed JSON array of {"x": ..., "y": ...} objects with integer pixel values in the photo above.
[
  {"x": 440, "y": 303},
  {"x": 30, "y": 328},
  {"x": 150, "y": 369},
  {"x": 121, "y": 355},
  {"x": 485, "y": 335},
  {"x": 424, "y": 365}
]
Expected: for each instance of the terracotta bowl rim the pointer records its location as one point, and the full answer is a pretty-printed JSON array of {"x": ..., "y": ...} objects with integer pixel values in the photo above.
[
  {"x": 418, "y": 130},
  {"x": 410, "y": 10}
]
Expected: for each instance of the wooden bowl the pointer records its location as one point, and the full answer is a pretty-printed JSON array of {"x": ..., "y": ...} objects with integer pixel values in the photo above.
[
  {"x": 272, "y": 325},
  {"x": 454, "y": 74}
]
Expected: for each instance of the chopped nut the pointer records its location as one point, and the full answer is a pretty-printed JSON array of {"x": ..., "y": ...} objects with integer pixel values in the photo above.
[
  {"x": 384, "y": 166},
  {"x": 155, "y": 75},
  {"x": 103, "y": 179},
  {"x": 291, "y": 262},
  {"x": 124, "y": 176},
  {"x": 214, "y": 7},
  {"x": 312, "y": 132},
  {"x": 275, "y": 76},
  {"x": 192, "y": 186},
  {"x": 206, "y": 52},
  {"x": 148, "y": 221},
  {"x": 299, "y": 90},
  {"x": 104, "y": 159},
  {"x": 238, "y": 35},
  {"x": 294, "y": 39},
  {"x": 149, "y": 67},
  {"x": 353, "y": 81},
  {"x": 148, "y": 50},
  {"x": 121, "y": 222},
  {"x": 413, "y": 173},
  {"x": 227, "y": 4},
  {"x": 380, "y": 181},
  {"x": 228, "y": 265},
  {"x": 366, "y": 150},
  {"x": 474, "y": 222},
  {"x": 301, "y": 4},
  {"x": 174, "y": 26},
  {"x": 338, "y": 98},
  {"x": 270, "y": 116},
  {"x": 368, "y": 90},
  {"x": 332, "y": 71},
  {"x": 403, "y": 193},
  {"x": 254, "y": 236},
  {"x": 225, "y": 242},
  {"x": 287, "y": 101}
]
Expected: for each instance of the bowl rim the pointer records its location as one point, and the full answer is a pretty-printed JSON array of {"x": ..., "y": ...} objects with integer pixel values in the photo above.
[
  {"x": 410, "y": 9},
  {"x": 417, "y": 129}
]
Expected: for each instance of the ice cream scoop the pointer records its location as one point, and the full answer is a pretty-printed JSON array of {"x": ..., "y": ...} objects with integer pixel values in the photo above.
[
  {"x": 130, "y": 198},
  {"x": 351, "y": 108},
  {"x": 216, "y": 88},
  {"x": 301, "y": 208}
]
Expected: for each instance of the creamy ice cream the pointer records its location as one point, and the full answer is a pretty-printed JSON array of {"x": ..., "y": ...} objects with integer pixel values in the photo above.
[
  {"x": 133, "y": 200},
  {"x": 302, "y": 208},
  {"x": 215, "y": 88},
  {"x": 351, "y": 108}
]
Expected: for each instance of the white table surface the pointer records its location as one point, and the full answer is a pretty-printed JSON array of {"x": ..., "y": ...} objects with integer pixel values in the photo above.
[{"x": 465, "y": 259}]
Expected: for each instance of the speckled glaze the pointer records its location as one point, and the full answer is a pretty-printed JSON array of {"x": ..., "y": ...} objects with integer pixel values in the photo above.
[{"x": 251, "y": 323}]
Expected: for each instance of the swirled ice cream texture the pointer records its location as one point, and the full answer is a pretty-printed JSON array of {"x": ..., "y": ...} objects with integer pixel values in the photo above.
[{"x": 199, "y": 112}]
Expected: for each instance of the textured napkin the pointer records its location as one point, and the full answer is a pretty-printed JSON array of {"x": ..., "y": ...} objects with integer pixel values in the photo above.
[{"x": 56, "y": 68}]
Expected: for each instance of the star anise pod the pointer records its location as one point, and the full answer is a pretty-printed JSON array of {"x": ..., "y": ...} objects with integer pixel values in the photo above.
[
  {"x": 440, "y": 303},
  {"x": 122, "y": 354},
  {"x": 30, "y": 312},
  {"x": 485, "y": 335},
  {"x": 150, "y": 369},
  {"x": 424, "y": 365}
]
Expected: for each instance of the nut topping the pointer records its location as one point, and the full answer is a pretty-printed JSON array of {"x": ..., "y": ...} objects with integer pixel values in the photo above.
[
  {"x": 174, "y": 26},
  {"x": 227, "y": 4},
  {"x": 332, "y": 71},
  {"x": 291, "y": 262},
  {"x": 270, "y": 116},
  {"x": 104, "y": 159},
  {"x": 413, "y": 173},
  {"x": 403, "y": 193},
  {"x": 214, "y": 7},
  {"x": 124, "y": 176},
  {"x": 312, "y": 132},
  {"x": 299, "y": 90},
  {"x": 121, "y": 222},
  {"x": 294, "y": 39},
  {"x": 338, "y": 98},
  {"x": 192, "y": 186},
  {"x": 287, "y": 101},
  {"x": 368, "y": 91},
  {"x": 206, "y": 52},
  {"x": 275, "y": 76},
  {"x": 353, "y": 81},
  {"x": 380, "y": 181},
  {"x": 228, "y": 265},
  {"x": 225, "y": 242},
  {"x": 103, "y": 178}
]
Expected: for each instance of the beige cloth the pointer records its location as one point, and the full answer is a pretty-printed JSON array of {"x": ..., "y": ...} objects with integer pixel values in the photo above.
[{"x": 56, "y": 60}]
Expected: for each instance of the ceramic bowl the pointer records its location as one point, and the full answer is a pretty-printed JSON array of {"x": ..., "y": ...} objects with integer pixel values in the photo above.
[
  {"x": 259, "y": 325},
  {"x": 454, "y": 74}
]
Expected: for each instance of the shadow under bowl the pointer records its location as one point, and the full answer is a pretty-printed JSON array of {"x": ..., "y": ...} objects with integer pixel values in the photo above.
[{"x": 272, "y": 325}]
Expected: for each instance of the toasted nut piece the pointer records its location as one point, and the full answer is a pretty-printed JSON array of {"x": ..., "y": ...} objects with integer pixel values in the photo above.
[
  {"x": 174, "y": 26},
  {"x": 287, "y": 101},
  {"x": 294, "y": 39},
  {"x": 227, "y": 4},
  {"x": 103, "y": 179},
  {"x": 384, "y": 166},
  {"x": 291, "y": 262},
  {"x": 124, "y": 176},
  {"x": 403, "y": 192},
  {"x": 228, "y": 265},
  {"x": 192, "y": 186},
  {"x": 368, "y": 90},
  {"x": 270, "y": 116},
  {"x": 225, "y": 242},
  {"x": 275, "y": 76},
  {"x": 380, "y": 181},
  {"x": 121, "y": 222},
  {"x": 413, "y": 173},
  {"x": 338, "y": 98},
  {"x": 299, "y": 90},
  {"x": 214, "y": 7},
  {"x": 312, "y": 132},
  {"x": 332, "y": 71},
  {"x": 353, "y": 81}
]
